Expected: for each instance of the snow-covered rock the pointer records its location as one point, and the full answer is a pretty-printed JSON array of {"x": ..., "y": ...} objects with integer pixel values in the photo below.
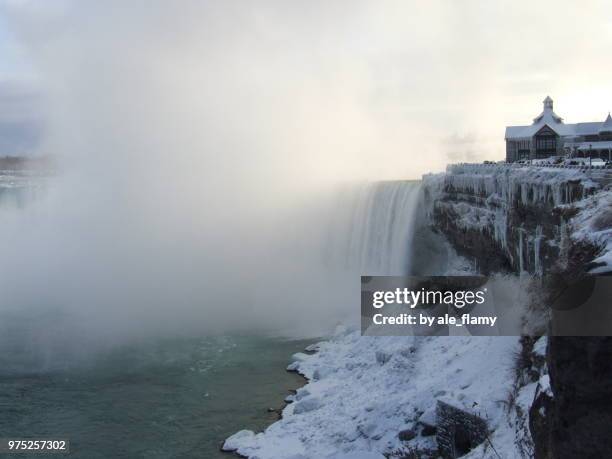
[
  {"x": 594, "y": 225},
  {"x": 299, "y": 357},
  {"x": 428, "y": 418},
  {"x": 539, "y": 348},
  {"x": 235, "y": 441},
  {"x": 306, "y": 405},
  {"x": 382, "y": 357}
]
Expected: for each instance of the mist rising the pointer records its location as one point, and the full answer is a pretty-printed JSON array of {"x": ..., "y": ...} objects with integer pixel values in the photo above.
[{"x": 200, "y": 147}]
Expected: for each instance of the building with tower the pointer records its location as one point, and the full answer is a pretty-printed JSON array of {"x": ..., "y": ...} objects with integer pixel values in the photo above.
[{"x": 549, "y": 136}]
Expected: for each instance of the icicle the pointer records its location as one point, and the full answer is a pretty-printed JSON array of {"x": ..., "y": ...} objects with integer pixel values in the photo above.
[
  {"x": 536, "y": 250},
  {"x": 521, "y": 259}
]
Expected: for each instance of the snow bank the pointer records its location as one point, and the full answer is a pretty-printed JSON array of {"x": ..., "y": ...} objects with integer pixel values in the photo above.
[{"x": 356, "y": 403}]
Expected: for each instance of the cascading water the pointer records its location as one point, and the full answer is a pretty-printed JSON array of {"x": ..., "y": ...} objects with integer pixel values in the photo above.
[{"x": 376, "y": 234}]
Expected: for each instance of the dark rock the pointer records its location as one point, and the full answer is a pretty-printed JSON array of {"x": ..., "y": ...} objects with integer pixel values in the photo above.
[
  {"x": 428, "y": 431},
  {"x": 581, "y": 380},
  {"x": 383, "y": 357},
  {"x": 540, "y": 426},
  {"x": 406, "y": 435},
  {"x": 458, "y": 431}
]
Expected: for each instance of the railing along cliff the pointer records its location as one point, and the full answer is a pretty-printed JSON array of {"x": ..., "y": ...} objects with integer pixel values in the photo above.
[{"x": 599, "y": 174}]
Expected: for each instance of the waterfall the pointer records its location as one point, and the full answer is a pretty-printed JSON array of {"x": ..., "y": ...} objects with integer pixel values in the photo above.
[{"x": 381, "y": 228}]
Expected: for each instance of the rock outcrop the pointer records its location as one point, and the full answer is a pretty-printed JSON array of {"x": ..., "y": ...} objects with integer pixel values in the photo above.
[
  {"x": 512, "y": 219},
  {"x": 581, "y": 380},
  {"x": 458, "y": 431},
  {"x": 540, "y": 221}
]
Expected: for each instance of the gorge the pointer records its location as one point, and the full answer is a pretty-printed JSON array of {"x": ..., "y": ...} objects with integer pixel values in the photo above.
[{"x": 407, "y": 396}]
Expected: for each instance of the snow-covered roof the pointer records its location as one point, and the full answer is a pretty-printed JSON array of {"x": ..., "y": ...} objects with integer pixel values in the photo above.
[
  {"x": 606, "y": 145},
  {"x": 607, "y": 124},
  {"x": 549, "y": 118},
  {"x": 562, "y": 129},
  {"x": 547, "y": 114}
]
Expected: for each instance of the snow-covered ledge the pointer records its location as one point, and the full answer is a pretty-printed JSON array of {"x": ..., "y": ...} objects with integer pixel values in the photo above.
[{"x": 531, "y": 219}]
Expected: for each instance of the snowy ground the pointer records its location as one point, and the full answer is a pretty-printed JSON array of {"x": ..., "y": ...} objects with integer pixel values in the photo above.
[{"x": 364, "y": 390}]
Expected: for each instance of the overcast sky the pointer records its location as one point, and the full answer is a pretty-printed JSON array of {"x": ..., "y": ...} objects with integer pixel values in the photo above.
[
  {"x": 21, "y": 114},
  {"x": 412, "y": 85}
]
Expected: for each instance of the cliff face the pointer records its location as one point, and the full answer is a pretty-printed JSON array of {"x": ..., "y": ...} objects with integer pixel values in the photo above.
[
  {"x": 514, "y": 219},
  {"x": 541, "y": 221},
  {"x": 580, "y": 413}
]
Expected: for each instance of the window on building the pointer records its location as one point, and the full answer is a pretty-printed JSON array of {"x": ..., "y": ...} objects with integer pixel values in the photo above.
[
  {"x": 523, "y": 144},
  {"x": 546, "y": 143}
]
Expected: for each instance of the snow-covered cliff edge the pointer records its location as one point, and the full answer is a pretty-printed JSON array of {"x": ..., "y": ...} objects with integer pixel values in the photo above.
[{"x": 524, "y": 219}]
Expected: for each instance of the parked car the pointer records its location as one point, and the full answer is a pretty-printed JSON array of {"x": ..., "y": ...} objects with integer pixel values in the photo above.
[
  {"x": 576, "y": 161},
  {"x": 584, "y": 162},
  {"x": 547, "y": 161}
]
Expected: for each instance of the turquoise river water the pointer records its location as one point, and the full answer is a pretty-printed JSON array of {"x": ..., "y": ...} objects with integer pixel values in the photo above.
[{"x": 164, "y": 398}]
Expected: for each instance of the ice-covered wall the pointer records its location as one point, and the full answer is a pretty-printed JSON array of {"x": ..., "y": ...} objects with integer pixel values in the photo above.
[{"x": 521, "y": 219}]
